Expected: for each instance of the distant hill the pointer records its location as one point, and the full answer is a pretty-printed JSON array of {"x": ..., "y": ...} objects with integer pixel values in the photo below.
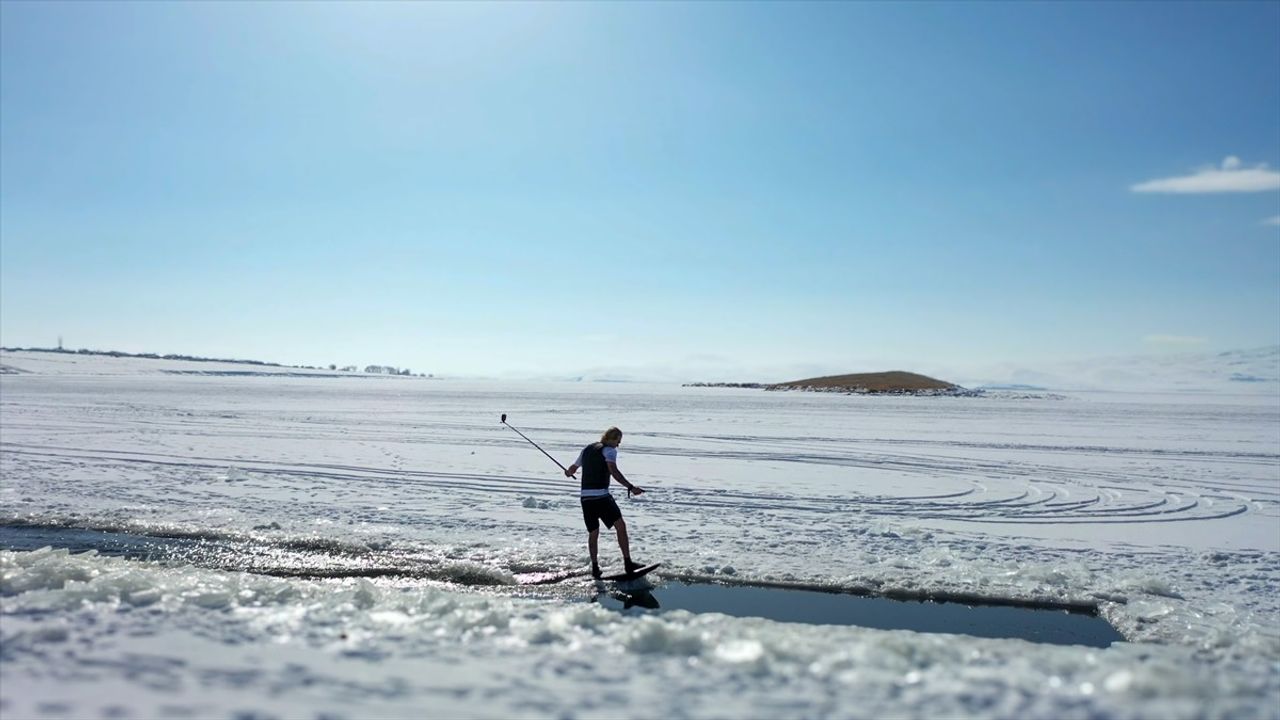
[{"x": 894, "y": 381}]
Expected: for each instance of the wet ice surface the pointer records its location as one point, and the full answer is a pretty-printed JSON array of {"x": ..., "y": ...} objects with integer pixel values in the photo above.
[
  {"x": 1161, "y": 511},
  {"x": 1057, "y": 624}
]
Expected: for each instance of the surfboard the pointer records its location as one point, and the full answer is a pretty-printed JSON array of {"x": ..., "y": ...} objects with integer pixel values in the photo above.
[{"x": 639, "y": 572}]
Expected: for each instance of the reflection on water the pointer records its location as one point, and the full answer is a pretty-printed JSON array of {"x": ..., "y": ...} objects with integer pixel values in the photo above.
[
  {"x": 830, "y": 608},
  {"x": 640, "y": 598}
]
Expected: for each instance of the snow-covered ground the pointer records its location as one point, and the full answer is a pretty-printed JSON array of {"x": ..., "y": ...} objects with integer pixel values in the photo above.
[{"x": 424, "y": 511}]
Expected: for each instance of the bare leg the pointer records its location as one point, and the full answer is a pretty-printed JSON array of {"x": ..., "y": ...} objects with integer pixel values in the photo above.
[
  {"x": 623, "y": 544},
  {"x": 593, "y": 544}
]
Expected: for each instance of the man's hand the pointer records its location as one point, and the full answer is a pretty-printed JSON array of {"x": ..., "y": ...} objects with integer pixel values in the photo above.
[
  {"x": 635, "y": 490},
  {"x": 569, "y": 471}
]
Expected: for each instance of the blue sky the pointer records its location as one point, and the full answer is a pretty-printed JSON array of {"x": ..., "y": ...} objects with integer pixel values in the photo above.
[{"x": 692, "y": 190}]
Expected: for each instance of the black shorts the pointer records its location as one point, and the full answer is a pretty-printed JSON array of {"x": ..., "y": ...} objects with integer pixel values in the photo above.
[{"x": 603, "y": 507}]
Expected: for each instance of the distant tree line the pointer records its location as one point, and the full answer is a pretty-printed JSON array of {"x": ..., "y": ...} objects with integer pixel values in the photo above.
[
  {"x": 386, "y": 370},
  {"x": 372, "y": 369},
  {"x": 150, "y": 356}
]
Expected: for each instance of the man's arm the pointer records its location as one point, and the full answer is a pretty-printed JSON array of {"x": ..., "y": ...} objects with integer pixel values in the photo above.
[
  {"x": 569, "y": 471},
  {"x": 616, "y": 474}
]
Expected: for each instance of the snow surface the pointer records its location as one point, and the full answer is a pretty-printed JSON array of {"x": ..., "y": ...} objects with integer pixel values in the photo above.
[{"x": 1161, "y": 510}]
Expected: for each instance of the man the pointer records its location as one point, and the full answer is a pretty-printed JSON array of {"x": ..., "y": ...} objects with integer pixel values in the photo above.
[{"x": 599, "y": 462}]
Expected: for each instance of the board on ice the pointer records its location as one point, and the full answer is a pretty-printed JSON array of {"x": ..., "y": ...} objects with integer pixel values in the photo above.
[
  {"x": 638, "y": 572},
  {"x": 549, "y": 577}
]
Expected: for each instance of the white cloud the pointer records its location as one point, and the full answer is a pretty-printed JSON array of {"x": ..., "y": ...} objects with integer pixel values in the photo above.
[
  {"x": 1230, "y": 177},
  {"x": 1179, "y": 340},
  {"x": 1273, "y": 221}
]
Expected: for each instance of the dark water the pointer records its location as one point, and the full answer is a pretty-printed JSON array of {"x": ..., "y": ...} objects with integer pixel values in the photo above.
[
  {"x": 139, "y": 547},
  {"x": 1059, "y": 627},
  {"x": 786, "y": 605}
]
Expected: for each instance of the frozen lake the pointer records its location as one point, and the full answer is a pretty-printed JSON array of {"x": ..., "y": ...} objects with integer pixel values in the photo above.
[{"x": 413, "y": 516}]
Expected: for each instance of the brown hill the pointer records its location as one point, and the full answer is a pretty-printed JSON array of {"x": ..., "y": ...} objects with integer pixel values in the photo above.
[{"x": 883, "y": 382}]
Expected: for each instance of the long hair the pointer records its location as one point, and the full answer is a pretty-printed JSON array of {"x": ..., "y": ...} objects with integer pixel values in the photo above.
[{"x": 610, "y": 435}]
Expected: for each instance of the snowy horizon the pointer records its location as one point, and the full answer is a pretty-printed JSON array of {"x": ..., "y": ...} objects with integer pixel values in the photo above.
[{"x": 1250, "y": 371}]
